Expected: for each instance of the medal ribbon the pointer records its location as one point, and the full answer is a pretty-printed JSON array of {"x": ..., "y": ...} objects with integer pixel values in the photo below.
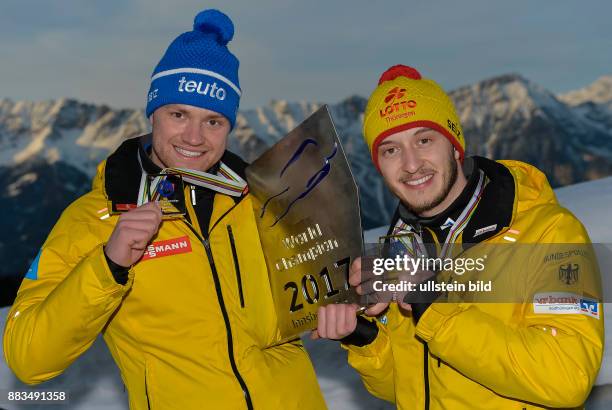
[
  {"x": 225, "y": 181},
  {"x": 418, "y": 247}
]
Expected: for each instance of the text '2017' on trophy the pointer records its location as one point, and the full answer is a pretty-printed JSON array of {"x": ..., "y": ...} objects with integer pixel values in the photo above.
[{"x": 307, "y": 210}]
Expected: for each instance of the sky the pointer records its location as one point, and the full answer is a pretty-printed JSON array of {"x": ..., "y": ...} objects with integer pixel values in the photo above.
[{"x": 320, "y": 51}]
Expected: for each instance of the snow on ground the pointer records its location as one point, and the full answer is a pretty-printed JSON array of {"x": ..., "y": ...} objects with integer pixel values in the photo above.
[
  {"x": 591, "y": 202},
  {"x": 93, "y": 382}
]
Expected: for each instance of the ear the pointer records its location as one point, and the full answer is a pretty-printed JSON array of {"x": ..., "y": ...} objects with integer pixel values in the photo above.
[{"x": 456, "y": 154}]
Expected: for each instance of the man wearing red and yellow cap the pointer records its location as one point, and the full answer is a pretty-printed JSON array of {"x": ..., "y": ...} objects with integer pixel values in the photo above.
[{"x": 540, "y": 343}]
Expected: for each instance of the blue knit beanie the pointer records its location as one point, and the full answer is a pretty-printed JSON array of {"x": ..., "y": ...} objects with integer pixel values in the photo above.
[{"x": 198, "y": 69}]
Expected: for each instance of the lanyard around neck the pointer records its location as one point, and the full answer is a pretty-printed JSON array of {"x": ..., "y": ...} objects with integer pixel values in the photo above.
[
  {"x": 418, "y": 248},
  {"x": 225, "y": 181}
]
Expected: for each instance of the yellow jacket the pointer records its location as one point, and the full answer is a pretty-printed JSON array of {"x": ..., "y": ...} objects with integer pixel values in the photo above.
[
  {"x": 189, "y": 330},
  {"x": 498, "y": 355}
]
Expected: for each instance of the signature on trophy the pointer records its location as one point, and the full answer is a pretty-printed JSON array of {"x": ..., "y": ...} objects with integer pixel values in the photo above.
[{"x": 312, "y": 182}]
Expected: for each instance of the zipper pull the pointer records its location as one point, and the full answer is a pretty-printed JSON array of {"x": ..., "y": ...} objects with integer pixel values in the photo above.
[{"x": 193, "y": 196}]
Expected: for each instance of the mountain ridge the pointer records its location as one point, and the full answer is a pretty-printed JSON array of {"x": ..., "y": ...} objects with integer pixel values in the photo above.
[{"x": 58, "y": 143}]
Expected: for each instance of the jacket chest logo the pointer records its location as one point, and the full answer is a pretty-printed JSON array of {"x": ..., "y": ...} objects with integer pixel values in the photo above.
[{"x": 168, "y": 247}]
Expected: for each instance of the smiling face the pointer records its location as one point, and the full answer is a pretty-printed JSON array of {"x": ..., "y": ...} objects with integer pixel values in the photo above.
[
  {"x": 422, "y": 169},
  {"x": 185, "y": 136}
]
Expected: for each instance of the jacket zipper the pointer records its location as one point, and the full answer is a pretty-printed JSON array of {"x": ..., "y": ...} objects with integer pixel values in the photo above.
[
  {"x": 228, "y": 329},
  {"x": 236, "y": 264},
  {"x": 425, "y": 347},
  {"x": 426, "y": 375},
  {"x": 147, "y": 390}
]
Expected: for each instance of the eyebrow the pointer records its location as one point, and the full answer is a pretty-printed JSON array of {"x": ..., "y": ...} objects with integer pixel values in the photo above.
[{"x": 422, "y": 130}]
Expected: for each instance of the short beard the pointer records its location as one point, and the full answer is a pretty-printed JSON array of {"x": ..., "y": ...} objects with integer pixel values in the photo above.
[{"x": 450, "y": 177}]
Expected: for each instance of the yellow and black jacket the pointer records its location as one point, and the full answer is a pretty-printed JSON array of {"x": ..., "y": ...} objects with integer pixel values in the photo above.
[
  {"x": 474, "y": 355},
  {"x": 191, "y": 327}
]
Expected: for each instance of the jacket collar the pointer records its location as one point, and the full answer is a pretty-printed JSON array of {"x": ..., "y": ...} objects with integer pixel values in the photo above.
[
  {"x": 454, "y": 209},
  {"x": 123, "y": 171},
  {"x": 496, "y": 207},
  {"x": 495, "y": 210}
]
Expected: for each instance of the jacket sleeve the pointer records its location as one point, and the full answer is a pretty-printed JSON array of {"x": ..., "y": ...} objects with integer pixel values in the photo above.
[
  {"x": 546, "y": 358},
  {"x": 63, "y": 303},
  {"x": 374, "y": 363}
]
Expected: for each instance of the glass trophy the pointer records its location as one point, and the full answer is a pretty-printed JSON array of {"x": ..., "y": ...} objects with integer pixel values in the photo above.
[{"x": 306, "y": 207}]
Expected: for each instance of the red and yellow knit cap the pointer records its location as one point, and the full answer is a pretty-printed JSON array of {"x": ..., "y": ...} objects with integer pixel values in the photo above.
[{"x": 404, "y": 100}]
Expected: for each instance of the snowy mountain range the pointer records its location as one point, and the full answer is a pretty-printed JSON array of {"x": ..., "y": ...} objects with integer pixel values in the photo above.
[{"x": 49, "y": 150}]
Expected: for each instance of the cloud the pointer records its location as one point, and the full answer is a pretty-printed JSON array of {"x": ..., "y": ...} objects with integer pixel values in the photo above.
[{"x": 296, "y": 50}]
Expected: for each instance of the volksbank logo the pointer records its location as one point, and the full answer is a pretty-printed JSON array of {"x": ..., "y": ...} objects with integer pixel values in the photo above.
[
  {"x": 589, "y": 307},
  {"x": 397, "y": 107},
  {"x": 564, "y": 303},
  {"x": 200, "y": 87}
]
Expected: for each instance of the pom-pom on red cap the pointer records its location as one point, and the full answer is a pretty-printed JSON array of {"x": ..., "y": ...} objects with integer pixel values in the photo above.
[{"x": 399, "y": 71}]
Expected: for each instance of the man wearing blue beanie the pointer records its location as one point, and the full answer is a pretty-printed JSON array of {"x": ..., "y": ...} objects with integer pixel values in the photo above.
[
  {"x": 198, "y": 69},
  {"x": 178, "y": 288}
]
